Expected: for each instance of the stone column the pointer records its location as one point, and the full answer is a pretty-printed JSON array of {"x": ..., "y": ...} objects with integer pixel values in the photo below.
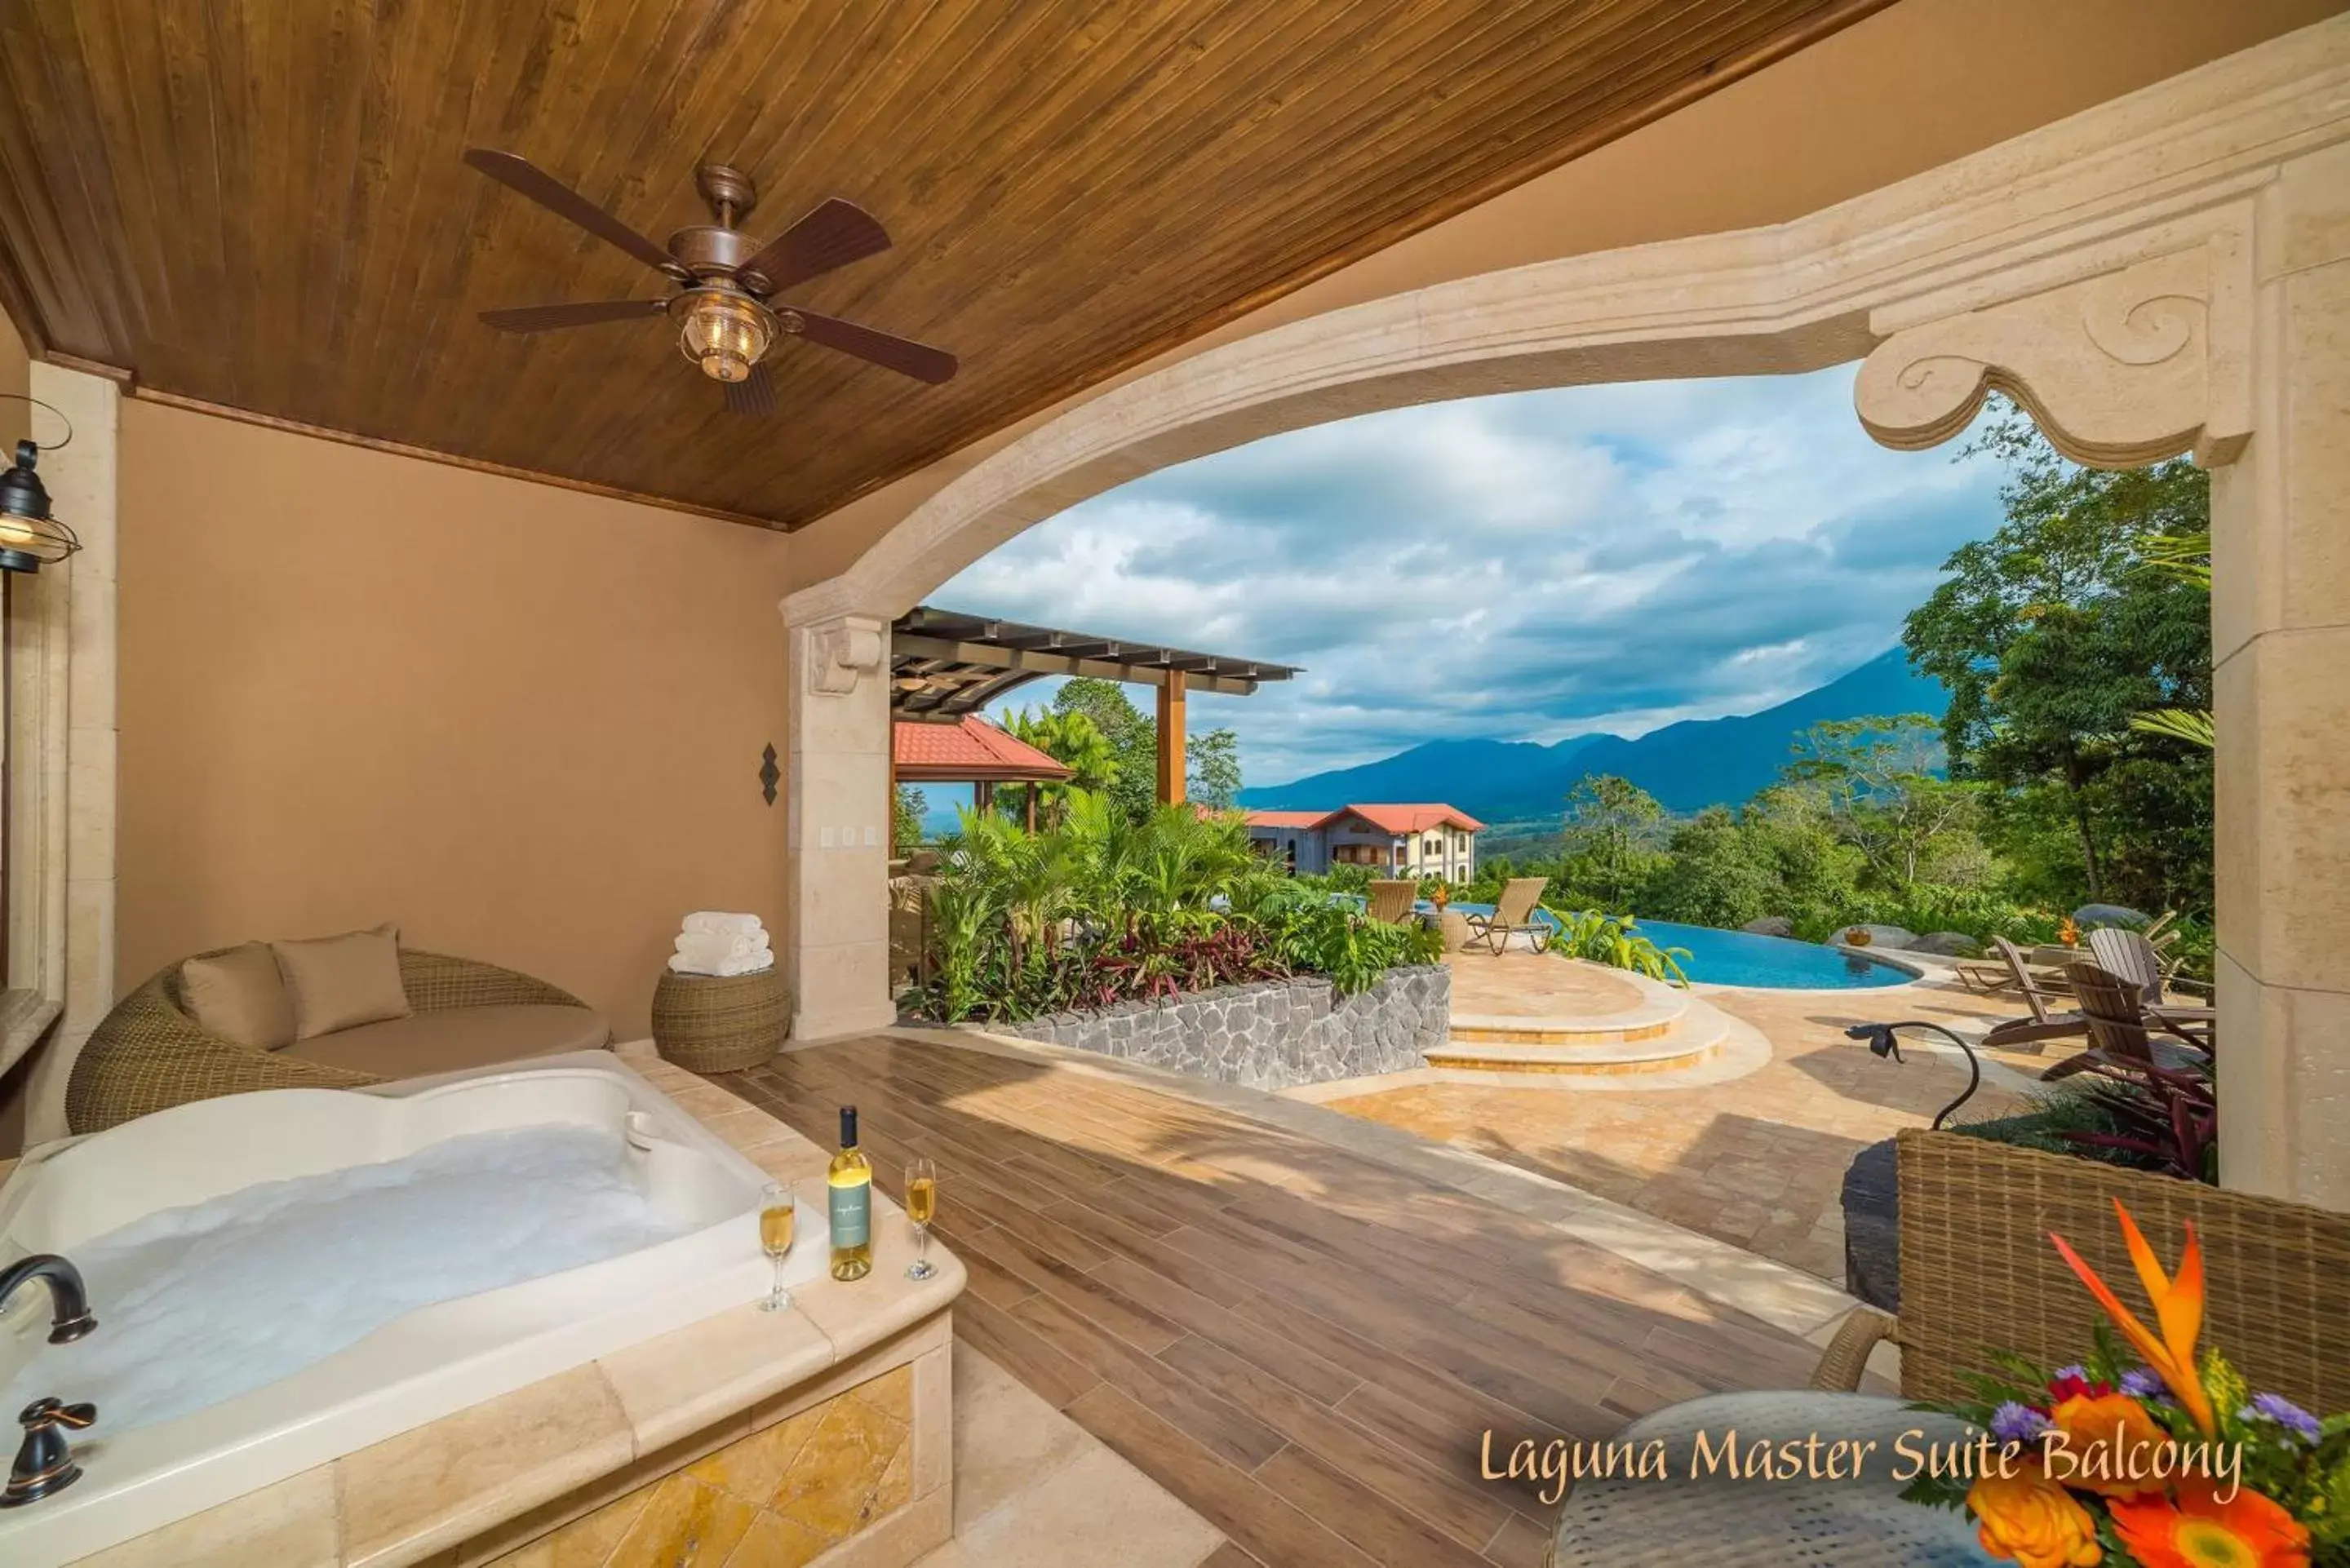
[
  {"x": 2281, "y": 639},
  {"x": 2230, "y": 340},
  {"x": 65, "y": 926},
  {"x": 836, "y": 926}
]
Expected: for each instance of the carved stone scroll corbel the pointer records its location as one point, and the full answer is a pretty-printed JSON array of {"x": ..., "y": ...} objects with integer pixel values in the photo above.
[
  {"x": 841, "y": 650},
  {"x": 2117, "y": 369}
]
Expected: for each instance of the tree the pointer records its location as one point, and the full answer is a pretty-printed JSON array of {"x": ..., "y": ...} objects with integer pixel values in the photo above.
[
  {"x": 1878, "y": 778},
  {"x": 1215, "y": 759},
  {"x": 1133, "y": 739},
  {"x": 1610, "y": 821},
  {"x": 906, "y": 818},
  {"x": 2051, "y": 637},
  {"x": 1071, "y": 739}
]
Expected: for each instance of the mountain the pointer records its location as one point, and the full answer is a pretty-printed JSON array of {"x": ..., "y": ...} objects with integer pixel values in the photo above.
[{"x": 1687, "y": 766}]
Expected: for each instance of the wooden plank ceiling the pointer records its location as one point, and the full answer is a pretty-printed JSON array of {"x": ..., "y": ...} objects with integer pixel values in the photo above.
[{"x": 261, "y": 205}]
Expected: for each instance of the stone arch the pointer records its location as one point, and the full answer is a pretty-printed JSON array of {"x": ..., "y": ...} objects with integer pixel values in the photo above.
[
  {"x": 2088, "y": 268},
  {"x": 2167, "y": 273}
]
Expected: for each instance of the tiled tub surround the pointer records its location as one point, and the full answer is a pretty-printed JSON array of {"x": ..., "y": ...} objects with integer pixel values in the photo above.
[
  {"x": 493, "y": 1478},
  {"x": 1267, "y": 1034}
]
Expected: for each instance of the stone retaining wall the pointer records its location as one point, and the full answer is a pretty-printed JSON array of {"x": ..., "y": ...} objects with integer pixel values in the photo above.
[{"x": 1268, "y": 1035}]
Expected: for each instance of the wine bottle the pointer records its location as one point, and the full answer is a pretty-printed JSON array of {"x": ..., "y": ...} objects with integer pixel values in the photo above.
[{"x": 849, "y": 1192}]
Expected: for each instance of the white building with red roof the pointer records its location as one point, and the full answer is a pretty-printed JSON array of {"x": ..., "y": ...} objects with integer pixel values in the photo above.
[{"x": 1413, "y": 840}]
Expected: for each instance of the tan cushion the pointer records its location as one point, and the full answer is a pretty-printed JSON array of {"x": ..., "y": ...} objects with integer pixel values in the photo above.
[
  {"x": 429, "y": 1043},
  {"x": 239, "y": 995},
  {"x": 339, "y": 983}
]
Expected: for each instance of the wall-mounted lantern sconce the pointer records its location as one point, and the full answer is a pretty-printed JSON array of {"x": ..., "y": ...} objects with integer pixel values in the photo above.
[{"x": 29, "y": 535}]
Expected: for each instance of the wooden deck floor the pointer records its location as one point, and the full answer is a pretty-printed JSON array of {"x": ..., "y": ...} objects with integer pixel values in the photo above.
[{"x": 1305, "y": 1345}]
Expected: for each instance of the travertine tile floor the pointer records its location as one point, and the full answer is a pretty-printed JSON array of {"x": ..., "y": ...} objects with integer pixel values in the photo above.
[
  {"x": 1034, "y": 1490},
  {"x": 1757, "y": 1161}
]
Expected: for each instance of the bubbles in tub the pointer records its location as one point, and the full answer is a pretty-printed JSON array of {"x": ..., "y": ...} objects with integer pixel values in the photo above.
[{"x": 200, "y": 1305}]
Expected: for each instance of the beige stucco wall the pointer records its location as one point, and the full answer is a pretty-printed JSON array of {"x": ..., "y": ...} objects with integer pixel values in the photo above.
[
  {"x": 1909, "y": 88},
  {"x": 524, "y": 723}
]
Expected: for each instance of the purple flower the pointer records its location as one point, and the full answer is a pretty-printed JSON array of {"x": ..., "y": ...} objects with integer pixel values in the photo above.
[
  {"x": 2014, "y": 1423},
  {"x": 2146, "y": 1383},
  {"x": 2283, "y": 1412},
  {"x": 2074, "y": 1373}
]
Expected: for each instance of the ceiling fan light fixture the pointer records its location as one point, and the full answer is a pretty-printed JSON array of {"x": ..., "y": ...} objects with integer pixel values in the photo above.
[{"x": 722, "y": 331}]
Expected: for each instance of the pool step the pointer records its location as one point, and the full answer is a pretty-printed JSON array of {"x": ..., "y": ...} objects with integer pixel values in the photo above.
[
  {"x": 1652, "y": 1020},
  {"x": 1659, "y": 1037}
]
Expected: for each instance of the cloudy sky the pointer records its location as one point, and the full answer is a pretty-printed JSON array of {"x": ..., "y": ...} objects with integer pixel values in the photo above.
[{"x": 1522, "y": 567}]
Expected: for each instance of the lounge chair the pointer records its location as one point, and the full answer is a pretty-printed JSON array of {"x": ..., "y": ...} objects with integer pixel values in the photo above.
[
  {"x": 2049, "y": 1019},
  {"x": 2122, "y": 1033},
  {"x": 1390, "y": 902},
  {"x": 1518, "y": 911},
  {"x": 2136, "y": 962}
]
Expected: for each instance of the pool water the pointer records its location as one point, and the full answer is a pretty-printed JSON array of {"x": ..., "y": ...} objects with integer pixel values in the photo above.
[{"x": 1742, "y": 958}]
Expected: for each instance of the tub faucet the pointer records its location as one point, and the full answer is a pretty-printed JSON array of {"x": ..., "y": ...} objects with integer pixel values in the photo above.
[
  {"x": 45, "y": 1463},
  {"x": 69, "y": 1313}
]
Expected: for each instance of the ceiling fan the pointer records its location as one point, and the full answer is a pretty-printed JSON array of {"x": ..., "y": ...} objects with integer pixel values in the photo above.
[{"x": 723, "y": 305}]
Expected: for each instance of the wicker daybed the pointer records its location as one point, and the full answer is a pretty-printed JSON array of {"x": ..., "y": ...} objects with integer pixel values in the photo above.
[{"x": 149, "y": 1054}]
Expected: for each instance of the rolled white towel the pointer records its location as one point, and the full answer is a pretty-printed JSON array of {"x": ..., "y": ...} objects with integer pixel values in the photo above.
[
  {"x": 753, "y": 963},
  {"x": 695, "y": 945},
  {"x": 717, "y": 924}
]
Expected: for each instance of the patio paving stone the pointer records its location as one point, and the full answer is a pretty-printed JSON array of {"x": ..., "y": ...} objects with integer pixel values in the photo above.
[{"x": 1756, "y": 1161}]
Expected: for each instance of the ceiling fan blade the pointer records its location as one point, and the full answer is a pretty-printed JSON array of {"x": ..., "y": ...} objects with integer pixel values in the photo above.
[
  {"x": 834, "y": 234},
  {"x": 521, "y": 174},
  {"x": 585, "y": 313},
  {"x": 754, "y": 395},
  {"x": 902, "y": 355}
]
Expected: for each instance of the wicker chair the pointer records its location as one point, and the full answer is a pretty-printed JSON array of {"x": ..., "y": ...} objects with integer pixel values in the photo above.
[
  {"x": 1977, "y": 1271},
  {"x": 149, "y": 1054}
]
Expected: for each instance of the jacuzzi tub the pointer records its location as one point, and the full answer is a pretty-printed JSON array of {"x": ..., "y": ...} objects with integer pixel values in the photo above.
[{"x": 422, "y": 1365}]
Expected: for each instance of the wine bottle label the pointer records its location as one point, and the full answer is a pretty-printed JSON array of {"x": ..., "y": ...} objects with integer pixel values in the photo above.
[{"x": 849, "y": 1205}]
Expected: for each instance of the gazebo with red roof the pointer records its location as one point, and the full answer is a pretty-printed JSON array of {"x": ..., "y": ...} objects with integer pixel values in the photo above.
[{"x": 971, "y": 751}]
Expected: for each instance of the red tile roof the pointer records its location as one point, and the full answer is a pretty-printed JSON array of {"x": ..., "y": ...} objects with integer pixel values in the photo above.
[
  {"x": 1386, "y": 819},
  {"x": 971, "y": 748}
]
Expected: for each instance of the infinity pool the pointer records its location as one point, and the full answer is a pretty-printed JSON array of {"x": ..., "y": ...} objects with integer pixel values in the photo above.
[{"x": 1742, "y": 958}]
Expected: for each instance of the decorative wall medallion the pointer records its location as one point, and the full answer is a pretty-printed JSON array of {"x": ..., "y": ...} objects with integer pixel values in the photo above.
[{"x": 769, "y": 774}]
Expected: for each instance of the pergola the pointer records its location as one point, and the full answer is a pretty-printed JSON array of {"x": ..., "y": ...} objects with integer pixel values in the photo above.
[{"x": 944, "y": 664}]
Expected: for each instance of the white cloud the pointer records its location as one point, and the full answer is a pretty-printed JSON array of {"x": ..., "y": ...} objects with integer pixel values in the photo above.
[{"x": 1521, "y": 568}]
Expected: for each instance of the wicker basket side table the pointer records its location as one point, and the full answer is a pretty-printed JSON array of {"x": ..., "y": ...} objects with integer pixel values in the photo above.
[{"x": 719, "y": 1023}]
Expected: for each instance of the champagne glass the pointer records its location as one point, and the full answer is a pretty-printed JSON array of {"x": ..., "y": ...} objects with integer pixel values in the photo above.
[
  {"x": 921, "y": 1206},
  {"x": 779, "y": 1217}
]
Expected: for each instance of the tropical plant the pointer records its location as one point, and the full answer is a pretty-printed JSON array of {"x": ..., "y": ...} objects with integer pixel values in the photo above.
[
  {"x": 1071, "y": 739},
  {"x": 1104, "y": 908},
  {"x": 2163, "y": 1118},
  {"x": 1133, "y": 739},
  {"x": 905, "y": 814},
  {"x": 1617, "y": 941}
]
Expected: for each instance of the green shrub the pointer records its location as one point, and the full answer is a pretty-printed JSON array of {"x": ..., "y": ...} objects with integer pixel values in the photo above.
[
  {"x": 1103, "y": 908},
  {"x": 1597, "y": 937}
]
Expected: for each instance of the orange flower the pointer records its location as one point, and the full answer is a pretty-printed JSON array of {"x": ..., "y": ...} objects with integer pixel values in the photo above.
[
  {"x": 2124, "y": 1439},
  {"x": 2247, "y": 1531},
  {"x": 2178, "y": 1310},
  {"x": 2029, "y": 1520}
]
